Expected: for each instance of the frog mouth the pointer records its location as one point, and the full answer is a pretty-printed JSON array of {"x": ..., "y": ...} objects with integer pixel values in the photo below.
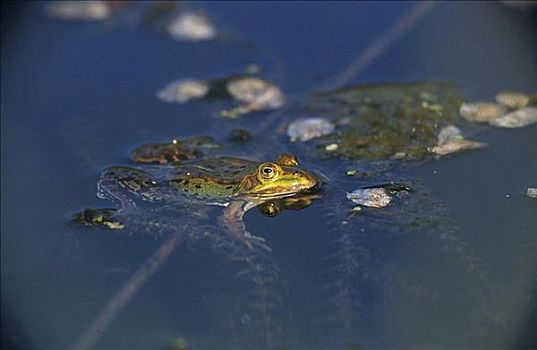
[
  {"x": 271, "y": 195},
  {"x": 297, "y": 193}
]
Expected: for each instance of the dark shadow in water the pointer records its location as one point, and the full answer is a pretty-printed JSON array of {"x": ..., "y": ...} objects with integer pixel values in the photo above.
[{"x": 13, "y": 336}]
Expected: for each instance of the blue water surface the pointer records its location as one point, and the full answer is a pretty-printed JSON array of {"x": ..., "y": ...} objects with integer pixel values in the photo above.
[{"x": 78, "y": 97}]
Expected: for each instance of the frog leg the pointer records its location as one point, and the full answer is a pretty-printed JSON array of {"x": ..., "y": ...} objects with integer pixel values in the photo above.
[
  {"x": 110, "y": 186},
  {"x": 114, "y": 184},
  {"x": 115, "y": 181},
  {"x": 232, "y": 219}
]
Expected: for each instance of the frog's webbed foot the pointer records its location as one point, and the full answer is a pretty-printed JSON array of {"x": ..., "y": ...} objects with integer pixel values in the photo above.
[
  {"x": 252, "y": 241},
  {"x": 232, "y": 219}
]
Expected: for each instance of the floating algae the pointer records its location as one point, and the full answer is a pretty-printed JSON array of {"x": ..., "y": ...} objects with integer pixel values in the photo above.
[{"x": 386, "y": 121}]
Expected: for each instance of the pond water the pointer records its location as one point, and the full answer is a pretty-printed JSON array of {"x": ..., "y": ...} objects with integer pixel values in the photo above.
[{"x": 453, "y": 266}]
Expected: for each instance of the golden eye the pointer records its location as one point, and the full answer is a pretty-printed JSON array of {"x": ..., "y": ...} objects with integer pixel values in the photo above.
[{"x": 268, "y": 171}]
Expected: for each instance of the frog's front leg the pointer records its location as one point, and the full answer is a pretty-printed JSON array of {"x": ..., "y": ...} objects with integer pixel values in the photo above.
[{"x": 232, "y": 219}]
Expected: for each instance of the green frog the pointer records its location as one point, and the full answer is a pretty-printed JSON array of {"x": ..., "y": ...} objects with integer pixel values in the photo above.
[{"x": 236, "y": 184}]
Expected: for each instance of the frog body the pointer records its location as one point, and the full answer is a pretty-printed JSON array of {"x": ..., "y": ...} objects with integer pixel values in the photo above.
[
  {"x": 237, "y": 178},
  {"x": 215, "y": 179},
  {"x": 235, "y": 183}
]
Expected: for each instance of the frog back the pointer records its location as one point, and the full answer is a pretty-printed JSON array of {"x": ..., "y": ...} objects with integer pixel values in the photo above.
[{"x": 213, "y": 178}]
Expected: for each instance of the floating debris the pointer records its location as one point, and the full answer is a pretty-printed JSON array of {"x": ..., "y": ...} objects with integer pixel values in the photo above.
[
  {"x": 370, "y": 197},
  {"x": 380, "y": 122},
  {"x": 79, "y": 10},
  {"x": 351, "y": 172},
  {"x": 379, "y": 196},
  {"x": 163, "y": 153},
  {"x": 253, "y": 68},
  {"x": 202, "y": 141},
  {"x": 481, "y": 111},
  {"x": 531, "y": 192},
  {"x": 331, "y": 147},
  {"x": 399, "y": 155},
  {"x": 457, "y": 145},
  {"x": 357, "y": 209},
  {"x": 450, "y": 140},
  {"x": 191, "y": 26},
  {"x": 99, "y": 217},
  {"x": 255, "y": 94},
  {"x": 514, "y": 100},
  {"x": 155, "y": 11},
  {"x": 517, "y": 119},
  {"x": 184, "y": 90},
  {"x": 240, "y": 135},
  {"x": 513, "y": 110},
  {"x": 307, "y": 129},
  {"x": 179, "y": 343},
  {"x": 449, "y": 133}
]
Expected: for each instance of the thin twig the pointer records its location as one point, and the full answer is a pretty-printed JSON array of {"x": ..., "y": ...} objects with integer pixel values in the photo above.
[
  {"x": 382, "y": 43},
  {"x": 125, "y": 294}
]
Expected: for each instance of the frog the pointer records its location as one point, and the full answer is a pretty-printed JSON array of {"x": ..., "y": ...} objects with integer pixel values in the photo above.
[{"x": 234, "y": 183}]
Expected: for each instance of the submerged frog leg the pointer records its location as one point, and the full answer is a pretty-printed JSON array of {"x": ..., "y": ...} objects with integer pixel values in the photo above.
[
  {"x": 255, "y": 312},
  {"x": 232, "y": 219}
]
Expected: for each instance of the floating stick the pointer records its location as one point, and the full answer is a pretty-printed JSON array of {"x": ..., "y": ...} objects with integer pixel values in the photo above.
[
  {"x": 105, "y": 317},
  {"x": 382, "y": 43}
]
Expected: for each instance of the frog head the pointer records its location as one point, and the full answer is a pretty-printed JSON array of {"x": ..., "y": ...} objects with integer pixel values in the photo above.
[{"x": 282, "y": 178}]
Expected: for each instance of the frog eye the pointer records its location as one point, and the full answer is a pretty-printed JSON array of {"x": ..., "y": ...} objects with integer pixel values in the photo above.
[{"x": 268, "y": 171}]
